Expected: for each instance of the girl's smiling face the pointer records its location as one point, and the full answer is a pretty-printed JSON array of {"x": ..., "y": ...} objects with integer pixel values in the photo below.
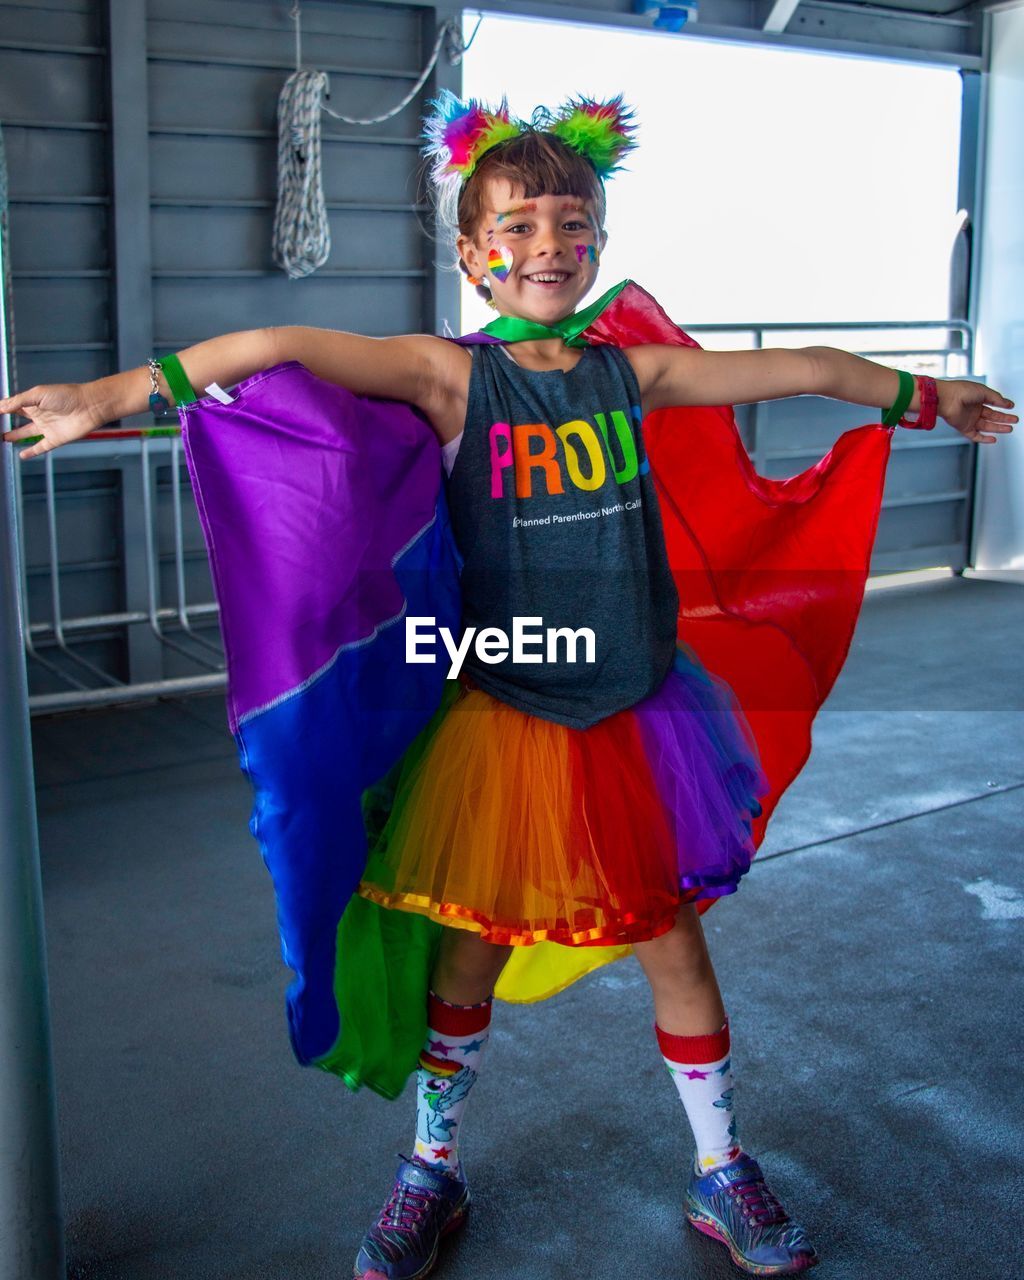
[{"x": 538, "y": 255}]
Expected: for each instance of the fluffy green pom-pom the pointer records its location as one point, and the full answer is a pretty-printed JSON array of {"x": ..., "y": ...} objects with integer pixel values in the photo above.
[{"x": 600, "y": 131}]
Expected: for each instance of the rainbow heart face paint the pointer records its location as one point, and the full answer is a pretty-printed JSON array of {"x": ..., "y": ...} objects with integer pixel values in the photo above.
[{"x": 499, "y": 262}]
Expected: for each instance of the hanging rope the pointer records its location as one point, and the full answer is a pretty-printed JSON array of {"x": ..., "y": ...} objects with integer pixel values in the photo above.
[{"x": 302, "y": 234}]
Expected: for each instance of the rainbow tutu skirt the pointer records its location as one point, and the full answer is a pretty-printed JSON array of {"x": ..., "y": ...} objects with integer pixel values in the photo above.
[{"x": 527, "y": 831}]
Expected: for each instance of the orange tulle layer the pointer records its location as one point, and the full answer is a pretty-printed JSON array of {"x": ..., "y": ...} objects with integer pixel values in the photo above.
[{"x": 527, "y": 831}]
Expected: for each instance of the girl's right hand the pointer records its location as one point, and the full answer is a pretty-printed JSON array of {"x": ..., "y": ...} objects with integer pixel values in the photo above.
[{"x": 60, "y": 413}]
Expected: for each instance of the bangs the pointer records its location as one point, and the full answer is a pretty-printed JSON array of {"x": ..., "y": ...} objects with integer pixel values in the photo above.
[{"x": 538, "y": 163}]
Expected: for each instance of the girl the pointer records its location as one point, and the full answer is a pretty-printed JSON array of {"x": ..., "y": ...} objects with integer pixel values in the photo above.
[{"x": 588, "y": 794}]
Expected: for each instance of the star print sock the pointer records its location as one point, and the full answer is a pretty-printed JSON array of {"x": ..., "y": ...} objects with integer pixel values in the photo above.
[
  {"x": 702, "y": 1071},
  {"x": 449, "y": 1061}
]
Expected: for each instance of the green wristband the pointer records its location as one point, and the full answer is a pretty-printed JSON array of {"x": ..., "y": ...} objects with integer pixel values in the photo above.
[
  {"x": 903, "y": 398},
  {"x": 177, "y": 380}
]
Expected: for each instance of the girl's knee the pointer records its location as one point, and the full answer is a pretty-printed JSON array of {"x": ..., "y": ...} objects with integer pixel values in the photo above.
[
  {"x": 682, "y": 950},
  {"x": 468, "y": 962}
]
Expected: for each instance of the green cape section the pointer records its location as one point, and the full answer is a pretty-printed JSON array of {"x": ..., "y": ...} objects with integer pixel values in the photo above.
[{"x": 381, "y": 985}]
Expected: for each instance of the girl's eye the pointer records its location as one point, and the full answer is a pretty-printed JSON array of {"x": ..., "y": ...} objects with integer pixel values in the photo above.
[{"x": 576, "y": 226}]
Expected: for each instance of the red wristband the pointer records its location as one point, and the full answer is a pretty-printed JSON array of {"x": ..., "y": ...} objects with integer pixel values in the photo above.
[{"x": 926, "y": 415}]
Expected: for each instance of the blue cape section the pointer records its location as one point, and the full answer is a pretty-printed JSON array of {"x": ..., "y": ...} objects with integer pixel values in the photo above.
[{"x": 311, "y": 757}]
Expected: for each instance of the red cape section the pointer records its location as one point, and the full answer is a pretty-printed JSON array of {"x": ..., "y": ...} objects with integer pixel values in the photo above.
[{"x": 770, "y": 573}]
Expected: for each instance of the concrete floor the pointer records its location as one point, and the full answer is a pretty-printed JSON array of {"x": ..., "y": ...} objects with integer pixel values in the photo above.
[{"x": 871, "y": 964}]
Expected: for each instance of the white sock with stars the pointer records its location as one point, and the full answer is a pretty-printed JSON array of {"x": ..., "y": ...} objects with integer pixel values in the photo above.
[{"x": 701, "y": 1067}]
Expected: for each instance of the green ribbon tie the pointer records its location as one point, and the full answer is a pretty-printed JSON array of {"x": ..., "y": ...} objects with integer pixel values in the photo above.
[{"x": 569, "y": 330}]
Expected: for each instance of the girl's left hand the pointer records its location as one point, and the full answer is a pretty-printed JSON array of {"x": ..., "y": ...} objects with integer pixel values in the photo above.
[{"x": 967, "y": 407}]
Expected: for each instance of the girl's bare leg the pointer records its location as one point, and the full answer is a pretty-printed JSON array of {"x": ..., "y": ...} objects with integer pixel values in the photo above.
[
  {"x": 687, "y": 1001},
  {"x": 467, "y": 968}
]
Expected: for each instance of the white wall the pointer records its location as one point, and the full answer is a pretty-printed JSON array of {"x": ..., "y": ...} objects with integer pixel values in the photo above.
[{"x": 999, "y": 513}]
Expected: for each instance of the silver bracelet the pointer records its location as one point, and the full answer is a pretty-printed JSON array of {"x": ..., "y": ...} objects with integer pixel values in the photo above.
[{"x": 157, "y": 402}]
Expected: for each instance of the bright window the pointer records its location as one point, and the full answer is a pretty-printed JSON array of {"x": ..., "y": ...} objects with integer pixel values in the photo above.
[{"x": 770, "y": 185}]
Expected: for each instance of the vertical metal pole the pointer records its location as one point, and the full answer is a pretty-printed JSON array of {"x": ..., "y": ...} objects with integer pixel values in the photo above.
[
  {"x": 133, "y": 277},
  {"x": 976, "y": 181},
  {"x": 964, "y": 272},
  {"x": 31, "y": 1226},
  {"x": 961, "y": 265},
  {"x": 443, "y": 301}
]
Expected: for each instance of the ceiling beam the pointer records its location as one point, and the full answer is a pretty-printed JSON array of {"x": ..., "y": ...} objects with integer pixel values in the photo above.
[{"x": 779, "y": 15}]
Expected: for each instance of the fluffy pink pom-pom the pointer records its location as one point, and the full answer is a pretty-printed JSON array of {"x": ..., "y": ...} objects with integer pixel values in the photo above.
[{"x": 458, "y": 133}]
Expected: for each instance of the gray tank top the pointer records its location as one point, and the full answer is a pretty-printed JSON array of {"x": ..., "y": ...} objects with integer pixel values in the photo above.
[{"x": 554, "y": 511}]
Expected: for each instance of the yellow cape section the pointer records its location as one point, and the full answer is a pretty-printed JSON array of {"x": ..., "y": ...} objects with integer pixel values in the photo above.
[{"x": 542, "y": 970}]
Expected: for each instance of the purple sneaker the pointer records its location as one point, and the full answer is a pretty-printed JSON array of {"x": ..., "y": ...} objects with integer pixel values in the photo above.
[
  {"x": 733, "y": 1205},
  {"x": 426, "y": 1203}
]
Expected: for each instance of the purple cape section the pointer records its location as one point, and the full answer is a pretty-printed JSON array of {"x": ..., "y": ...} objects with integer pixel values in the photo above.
[
  {"x": 476, "y": 339},
  {"x": 325, "y": 524},
  {"x": 306, "y": 494}
]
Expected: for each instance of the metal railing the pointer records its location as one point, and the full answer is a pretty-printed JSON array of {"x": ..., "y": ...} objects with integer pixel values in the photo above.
[
  {"x": 105, "y": 688},
  {"x": 172, "y": 625}
]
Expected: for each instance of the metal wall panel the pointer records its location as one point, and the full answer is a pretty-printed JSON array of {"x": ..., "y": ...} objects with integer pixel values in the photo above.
[
  {"x": 53, "y": 105},
  {"x": 214, "y": 76},
  {"x": 89, "y": 528}
]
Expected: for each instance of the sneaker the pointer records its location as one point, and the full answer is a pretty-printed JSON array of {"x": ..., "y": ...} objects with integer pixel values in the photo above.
[
  {"x": 733, "y": 1204},
  {"x": 426, "y": 1204}
]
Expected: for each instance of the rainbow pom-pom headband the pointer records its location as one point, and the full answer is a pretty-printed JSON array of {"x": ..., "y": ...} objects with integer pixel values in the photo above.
[{"x": 458, "y": 134}]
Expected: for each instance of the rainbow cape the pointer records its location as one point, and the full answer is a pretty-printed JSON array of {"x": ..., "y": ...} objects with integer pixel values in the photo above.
[{"x": 325, "y": 523}]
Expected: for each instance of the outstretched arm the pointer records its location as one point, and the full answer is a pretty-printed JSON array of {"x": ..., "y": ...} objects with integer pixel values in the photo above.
[
  {"x": 418, "y": 369},
  {"x": 404, "y": 368},
  {"x": 686, "y": 376},
  {"x": 63, "y": 412}
]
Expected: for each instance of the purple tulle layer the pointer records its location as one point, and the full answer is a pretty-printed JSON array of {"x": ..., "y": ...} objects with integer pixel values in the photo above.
[{"x": 708, "y": 775}]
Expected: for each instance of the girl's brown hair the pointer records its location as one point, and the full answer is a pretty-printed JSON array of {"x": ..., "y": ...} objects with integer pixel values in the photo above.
[{"x": 538, "y": 163}]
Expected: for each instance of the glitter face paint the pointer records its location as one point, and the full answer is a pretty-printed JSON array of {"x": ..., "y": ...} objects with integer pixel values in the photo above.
[
  {"x": 499, "y": 262},
  {"x": 511, "y": 213},
  {"x": 571, "y": 207}
]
